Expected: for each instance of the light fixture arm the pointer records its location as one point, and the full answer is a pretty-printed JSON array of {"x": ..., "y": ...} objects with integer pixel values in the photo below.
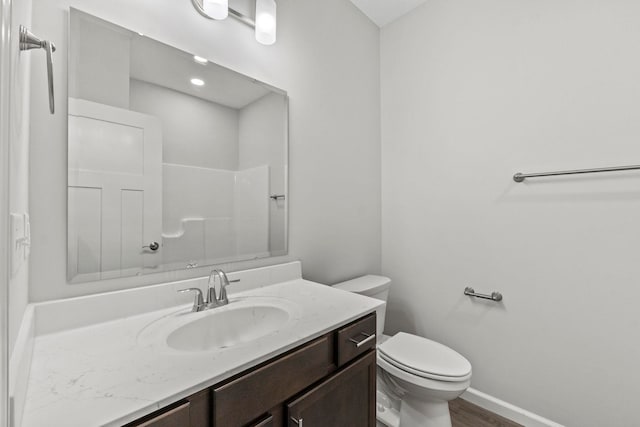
[{"x": 232, "y": 12}]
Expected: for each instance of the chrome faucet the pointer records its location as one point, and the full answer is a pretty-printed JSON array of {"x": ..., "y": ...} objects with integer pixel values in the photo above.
[
  {"x": 210, "y": 300},
  {"x": 222, "y": 295}
]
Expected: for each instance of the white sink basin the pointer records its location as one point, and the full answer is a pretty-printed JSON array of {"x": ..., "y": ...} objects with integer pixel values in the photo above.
[
  {"x": 243, "y": 320},
  {"x": 221, "y": 327}
]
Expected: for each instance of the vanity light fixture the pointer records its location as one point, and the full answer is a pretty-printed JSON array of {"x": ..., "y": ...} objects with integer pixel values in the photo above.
[
  {"x": 197, "y": 82},
  {"x": 217, "y": 9},
  {"x": 266, "y": 21},
  {"x": 264, "y": 24}
]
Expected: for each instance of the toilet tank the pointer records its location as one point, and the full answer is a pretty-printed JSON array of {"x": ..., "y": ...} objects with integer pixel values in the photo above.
[{"x": 372, "y": 286}]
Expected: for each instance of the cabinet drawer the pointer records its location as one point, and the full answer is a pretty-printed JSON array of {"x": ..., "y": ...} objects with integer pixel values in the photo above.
[
  {"x": 247, "y": 397},
  {"x": 356, "y": 338},
  {"x": 195, "y": 412},
  {"x": 176, "y": 417}
]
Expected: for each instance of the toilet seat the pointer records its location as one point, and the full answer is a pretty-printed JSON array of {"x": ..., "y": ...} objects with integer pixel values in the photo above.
[{"x": 424, "y": 358}]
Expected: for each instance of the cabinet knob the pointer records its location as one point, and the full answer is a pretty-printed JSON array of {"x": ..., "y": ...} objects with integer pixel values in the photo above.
[{"x": 297, "y": 421}]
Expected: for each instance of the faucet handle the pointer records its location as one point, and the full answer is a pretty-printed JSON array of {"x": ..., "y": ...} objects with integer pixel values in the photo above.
[
  {"x": 211, "y": 288},
  {"x": 198, "y": 303}
]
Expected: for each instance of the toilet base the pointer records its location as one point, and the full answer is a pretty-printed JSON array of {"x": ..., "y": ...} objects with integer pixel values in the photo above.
[
  {"x": 424, "y": 413},
  {"x": 387, "y": 414}
]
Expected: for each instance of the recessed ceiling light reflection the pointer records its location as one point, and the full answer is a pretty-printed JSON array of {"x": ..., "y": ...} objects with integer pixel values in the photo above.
[
  {"x": 197, "y": 82},
  {"x": 200, "y": 59}
]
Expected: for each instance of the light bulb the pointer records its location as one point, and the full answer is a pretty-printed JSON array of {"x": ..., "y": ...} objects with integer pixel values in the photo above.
[
  {"x": 200, "y": 59},
  {"x": 217, "y": 9},
  {"x": 266, "y": 21}
]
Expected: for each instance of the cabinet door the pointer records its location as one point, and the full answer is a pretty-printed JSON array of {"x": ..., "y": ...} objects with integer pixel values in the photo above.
[{"x": 347, "y": 399}]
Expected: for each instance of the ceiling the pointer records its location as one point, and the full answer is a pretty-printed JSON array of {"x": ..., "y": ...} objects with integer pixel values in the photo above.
[
  {"x": 163, "y": 65},
  {"x": 383, "y": 12}
]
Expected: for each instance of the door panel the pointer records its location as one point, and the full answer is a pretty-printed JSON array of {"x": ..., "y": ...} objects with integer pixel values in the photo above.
[
  {"x": 131, "y": 241},
  {"x": 84, "y": 229},
  {"x": 118, "y": 153}
]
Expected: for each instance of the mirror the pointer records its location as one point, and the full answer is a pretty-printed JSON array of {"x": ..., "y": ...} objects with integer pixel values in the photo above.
[{"x": 174, "y": 162}]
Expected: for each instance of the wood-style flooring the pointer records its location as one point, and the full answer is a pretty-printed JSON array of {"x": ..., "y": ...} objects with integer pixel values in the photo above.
[{"x": 465, "y": 414}]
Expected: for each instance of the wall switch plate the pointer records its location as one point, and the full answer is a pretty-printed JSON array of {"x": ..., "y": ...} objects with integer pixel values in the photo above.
[
  {"x": 17, "y": 233},
  {"x": 18, "y": 241},
  {"x": 27, "y": 236}
]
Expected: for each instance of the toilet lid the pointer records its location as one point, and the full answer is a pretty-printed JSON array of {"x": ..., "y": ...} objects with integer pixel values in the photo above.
[{"x": 424, "y": 357}]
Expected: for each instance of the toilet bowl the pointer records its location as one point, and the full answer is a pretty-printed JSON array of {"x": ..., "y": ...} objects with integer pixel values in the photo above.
[{"x": 420, "y": 375}]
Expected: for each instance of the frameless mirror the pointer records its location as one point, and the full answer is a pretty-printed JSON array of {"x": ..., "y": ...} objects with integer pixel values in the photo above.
[{"x": 174, "y": 161}]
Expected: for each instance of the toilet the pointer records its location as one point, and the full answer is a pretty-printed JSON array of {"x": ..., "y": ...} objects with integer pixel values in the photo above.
[{"x": 417, "y": 377}]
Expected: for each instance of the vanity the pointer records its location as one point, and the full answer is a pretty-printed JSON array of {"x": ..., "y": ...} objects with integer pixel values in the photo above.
[
  {"x": 327, "y": 381},
  {"x": 305, "y": 357}
]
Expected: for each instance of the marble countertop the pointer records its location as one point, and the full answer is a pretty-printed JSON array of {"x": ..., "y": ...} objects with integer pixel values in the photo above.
[{"x": 110, "y": 373}]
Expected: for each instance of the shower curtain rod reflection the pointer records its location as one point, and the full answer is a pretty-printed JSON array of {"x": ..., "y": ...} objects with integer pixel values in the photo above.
[{"x": 520, "y": 177}]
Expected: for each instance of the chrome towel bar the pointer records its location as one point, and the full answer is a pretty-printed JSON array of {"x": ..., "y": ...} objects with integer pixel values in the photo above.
[
  {"x": 520, "y": 177},
  {"x": 495, "y": 296}
]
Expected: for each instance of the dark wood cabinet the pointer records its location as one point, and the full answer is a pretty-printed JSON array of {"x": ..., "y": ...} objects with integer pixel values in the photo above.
[
  {"x": 329, "y": 382},
  {"x": 344, "y": 400},
  {"x": 251, "y": 395}
]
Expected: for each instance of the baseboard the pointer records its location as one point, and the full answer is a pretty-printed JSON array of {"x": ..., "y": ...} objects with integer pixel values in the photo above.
[{"x": 507, "y": 410}]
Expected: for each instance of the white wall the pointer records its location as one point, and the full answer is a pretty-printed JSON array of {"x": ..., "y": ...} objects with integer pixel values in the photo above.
[
  {"x": 19, "y": 152},
  {"x": 16, "y": 67},
  {"x": 332, "y": 80},
  {"x": 262, "y": 128},
  {"x": 195, "y": 132},
  {"x": 100, "y": 54},
  {"x": 473, "y": 92},
  {"x": 5, "y": 105}
]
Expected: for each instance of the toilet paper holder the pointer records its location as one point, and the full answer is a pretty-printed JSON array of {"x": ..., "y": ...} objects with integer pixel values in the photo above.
[{"x": 494, "y": 296}]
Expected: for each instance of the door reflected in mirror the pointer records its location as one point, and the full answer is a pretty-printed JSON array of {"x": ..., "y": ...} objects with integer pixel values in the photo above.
[{"x": 174, "y": 162}]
